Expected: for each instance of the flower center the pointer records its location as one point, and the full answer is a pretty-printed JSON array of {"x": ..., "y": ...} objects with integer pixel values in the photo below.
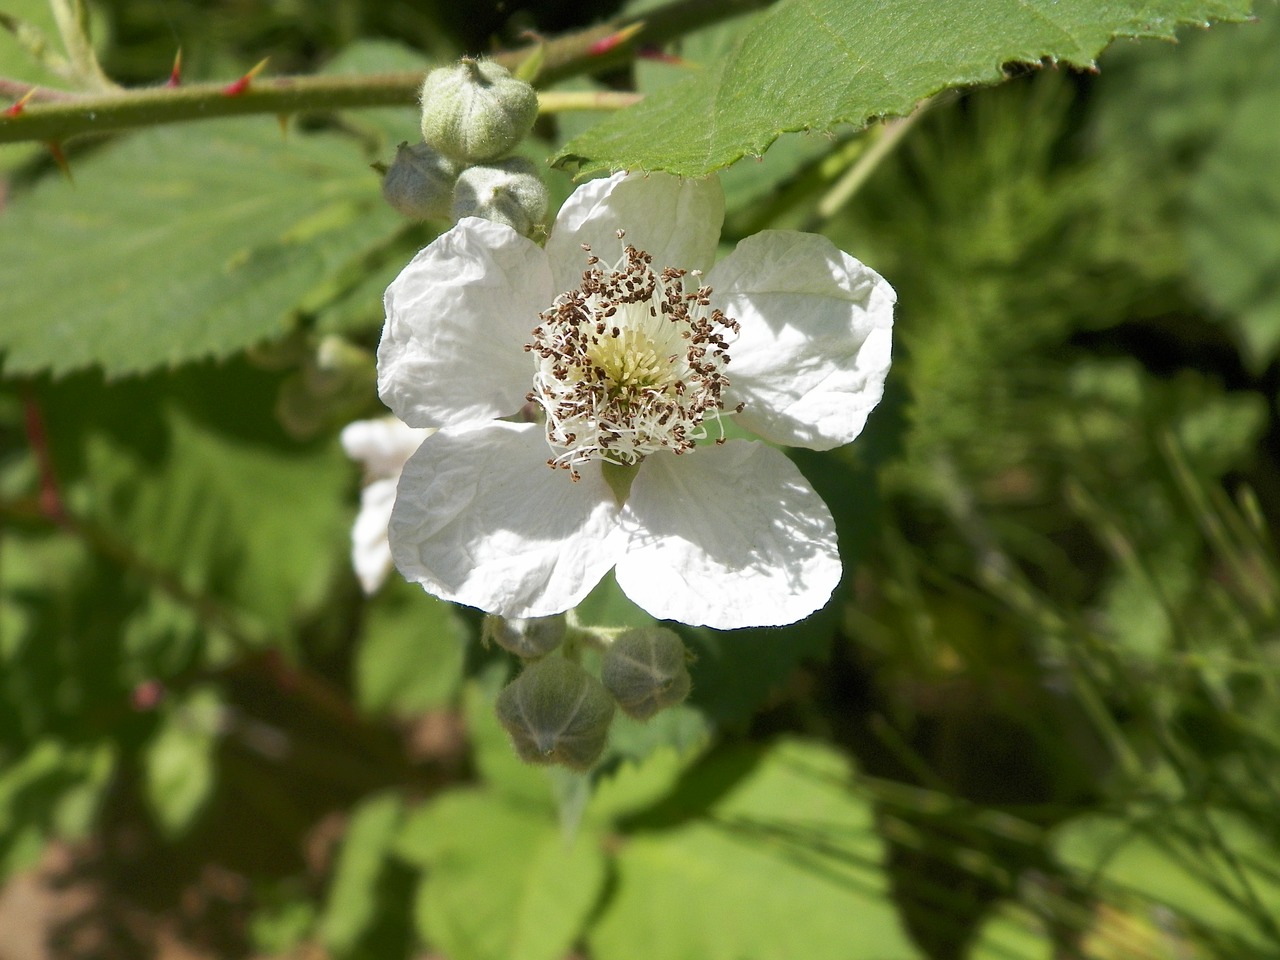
[{"x": 628, "y": 363}]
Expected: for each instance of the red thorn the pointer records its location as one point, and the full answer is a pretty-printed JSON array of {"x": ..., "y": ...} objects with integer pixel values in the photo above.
[
  {"x": 615, "y": 39},
  {"x": 238, "y": 87},
  {"x": 21, "y": 105},
  {"x": 60, "y": 159},
  {"x": 175, "y": 75}
]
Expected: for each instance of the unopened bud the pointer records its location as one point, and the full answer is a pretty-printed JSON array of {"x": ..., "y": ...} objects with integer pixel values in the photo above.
[
  {"x": 475, "y": 110},
  {"x": 509, "y": 192},
  {"x": 527, "y": 638},
  {"x": 419, "y": 183},
  {"x": 646, "y": 671},
  {"x": 556, "y": 712}
]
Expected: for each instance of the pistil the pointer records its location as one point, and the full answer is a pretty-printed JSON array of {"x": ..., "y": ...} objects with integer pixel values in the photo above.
[{"x": 628, "y": 363}]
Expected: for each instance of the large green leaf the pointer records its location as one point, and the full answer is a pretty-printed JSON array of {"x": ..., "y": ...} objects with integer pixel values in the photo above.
[
  {"x": 812, "y": 64},
  {"x": 502, "y": 881},
  {"x": 784, "y": 862},
  {"x": 184, "y": 243}
]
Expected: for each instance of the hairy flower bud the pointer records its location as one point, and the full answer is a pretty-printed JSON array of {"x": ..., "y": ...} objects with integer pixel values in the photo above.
[
  {"x": 419, "y": 184},
  {"x": 509, "y": 192},
  {"x": 646, "y": 671},
  {"x": 475, "y": 110},
  {"x": 556, "y": 712},
  {"x": 527, "y": 638}
]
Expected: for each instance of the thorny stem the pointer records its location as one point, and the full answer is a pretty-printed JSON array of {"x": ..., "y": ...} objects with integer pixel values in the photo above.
[{"x": 54, "y": 115}]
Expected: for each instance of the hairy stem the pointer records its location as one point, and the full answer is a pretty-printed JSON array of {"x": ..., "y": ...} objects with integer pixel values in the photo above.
[{"x": 55, "y": 115}]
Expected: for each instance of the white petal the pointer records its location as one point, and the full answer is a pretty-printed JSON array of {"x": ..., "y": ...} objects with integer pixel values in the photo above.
[
  {"x": 813, "y": 354},
  {"x": 481, "y": 519},
  {"x": 676, "y": 219},
  {"x": 729, "y": 537},
  {"x": 381, "y": 445},
  {"x": 370, "y": 551},
  {"x": 458, "y": 317}
]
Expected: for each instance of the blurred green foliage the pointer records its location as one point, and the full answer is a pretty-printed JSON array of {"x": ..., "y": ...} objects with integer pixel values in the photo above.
[{"x": 1037, "y": 721}]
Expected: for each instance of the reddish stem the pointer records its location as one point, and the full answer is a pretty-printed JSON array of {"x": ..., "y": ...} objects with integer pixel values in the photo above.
[{"x": 51, "y": 504}]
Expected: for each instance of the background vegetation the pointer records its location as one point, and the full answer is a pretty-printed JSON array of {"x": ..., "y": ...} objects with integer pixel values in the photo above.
[{"x": 1039, "y": 720}]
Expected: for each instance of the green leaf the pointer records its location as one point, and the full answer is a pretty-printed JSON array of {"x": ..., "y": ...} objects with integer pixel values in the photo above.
[
  {"x": 785, "y": 861},
  {"x": 188, "y": 475},
  {"x": 352, "y": 903},
  {"x": 179, "y": 761},
  {"x": 53, "y": 789},
  {"x": 411, "y": 651},
  {"x": 1011, "y": 933},
  {"x": 197, "y": 517},
  {"x": 1233, "y": 233},
  {"x": 184, "y": 243},
  {"x": 282, "y": 918},
  {"x": 1198, "y": 121},
  {"x": 812, "y": 64},
  {"x": 632, "y": 785},
  {"x": 502, "y": 882}
]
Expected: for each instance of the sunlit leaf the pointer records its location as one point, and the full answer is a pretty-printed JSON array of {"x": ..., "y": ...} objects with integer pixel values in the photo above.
[
  {"x": 812, "y": 64},
  {"x": 783, "y": 860},
  {"x": 184, "y": 243},
  {"x": 502, "y": 882}
]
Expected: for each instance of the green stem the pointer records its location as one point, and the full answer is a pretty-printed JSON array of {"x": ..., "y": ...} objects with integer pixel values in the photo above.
[
  {"x": 886, "y": 139},
  {"x": 110, "y": 112},
  {"x": 73, "y": 24},
  {"x": 566, "y": 101},
  {"x": 55, "y": 115}
]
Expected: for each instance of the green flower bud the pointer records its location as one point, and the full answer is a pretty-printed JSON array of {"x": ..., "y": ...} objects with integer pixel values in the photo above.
[
  {"x": 527, "y": 638},
  {"x": 646, "y": 671},
  {"x": 419, "y": 183},
  {"x": 556, "y": 712},
  {"x": 475, "y": 110},
  {"x": 509, "y": 192}
]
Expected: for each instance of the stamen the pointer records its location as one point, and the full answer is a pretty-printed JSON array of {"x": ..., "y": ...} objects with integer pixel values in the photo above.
[{"x": 628, "y": 363}]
